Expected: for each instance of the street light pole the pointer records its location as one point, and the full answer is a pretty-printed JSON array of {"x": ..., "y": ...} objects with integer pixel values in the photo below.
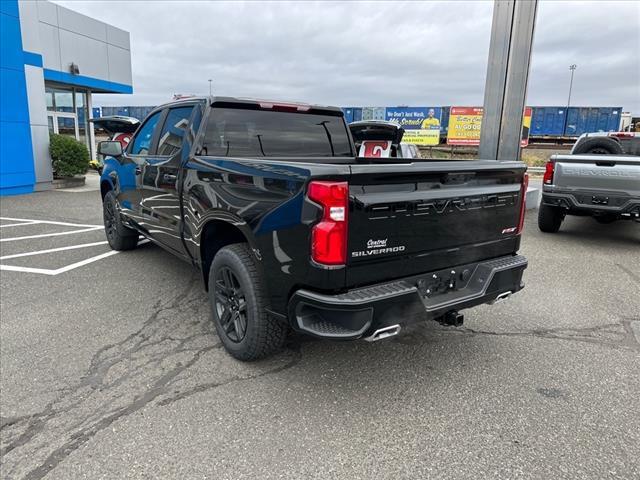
[
  {"x": 210, "y": 80},
  {"x": 572, "y": 67}
]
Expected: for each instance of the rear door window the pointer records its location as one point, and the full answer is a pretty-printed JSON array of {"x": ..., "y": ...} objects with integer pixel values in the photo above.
[
  {"x": 238, "y": 132},
  {"x": 173, "y": 131}
]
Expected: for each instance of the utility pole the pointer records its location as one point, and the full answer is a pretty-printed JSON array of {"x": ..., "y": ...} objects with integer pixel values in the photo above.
[
  {"x": 572, "y": 67},
  {"x": 210, "y": 80}
]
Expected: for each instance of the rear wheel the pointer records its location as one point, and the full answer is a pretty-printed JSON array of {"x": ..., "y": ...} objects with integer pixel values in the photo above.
[
  {"x": 118, "y": 235},
  {"x": 550, "y": 218},
  {"x": 239, "y": 305}
]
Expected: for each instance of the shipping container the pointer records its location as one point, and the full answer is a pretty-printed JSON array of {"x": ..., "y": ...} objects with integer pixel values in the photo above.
[
  {"x": 95, "y": 112},
  {"x": 548, "y": 121},
  {"x": 444, "y": 122},
  {"x": 352, "y": 114},
  {"x": 348, "y": 114},
  {"x": 592, "y": 119},
  {"x": 373, "y": 113},
  {"x": 136, "y": 112}
]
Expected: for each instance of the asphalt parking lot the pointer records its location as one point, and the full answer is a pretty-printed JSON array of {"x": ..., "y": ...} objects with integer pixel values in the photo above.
[{"x": 110, "y": 368}]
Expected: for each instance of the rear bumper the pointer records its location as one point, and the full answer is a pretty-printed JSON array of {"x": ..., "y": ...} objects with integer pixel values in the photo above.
[
  {"x": 360, "y": 312},
  {"x": 592, "y": 202}
]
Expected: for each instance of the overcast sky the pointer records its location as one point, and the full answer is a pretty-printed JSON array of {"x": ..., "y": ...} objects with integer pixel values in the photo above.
[{"x": 369, "y": 53}]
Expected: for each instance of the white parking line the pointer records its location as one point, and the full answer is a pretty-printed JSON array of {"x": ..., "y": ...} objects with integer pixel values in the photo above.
[
  {"x": 58, "y": 271},
  {"x": 18, "y": 224},
  {"x": 66, "y": 268},
  {"x": 49, "y": 222},
  {"x": 80, "y": 228},
  {"x": 13, "y": 239},
  {"x": 50, "y": 250}
]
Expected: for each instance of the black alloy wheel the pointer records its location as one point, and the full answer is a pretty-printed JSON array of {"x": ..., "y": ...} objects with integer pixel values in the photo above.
[
  {"x": 110, "y": 221},
  {"x": 231, "y": 305},
  {"x": 119, "y": 236}
]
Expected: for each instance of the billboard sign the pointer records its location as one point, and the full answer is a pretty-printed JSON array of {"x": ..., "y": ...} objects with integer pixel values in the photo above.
[
  {"x": 421, "y": 124},
  {"x": 465, "y": 124}
]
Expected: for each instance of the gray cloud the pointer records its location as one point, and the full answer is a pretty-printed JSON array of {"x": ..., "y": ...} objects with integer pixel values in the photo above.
[{"x": 369, "y": 53}]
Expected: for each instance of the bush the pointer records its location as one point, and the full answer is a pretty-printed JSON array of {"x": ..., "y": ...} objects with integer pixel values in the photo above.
[{"x": 68, "y": 156}]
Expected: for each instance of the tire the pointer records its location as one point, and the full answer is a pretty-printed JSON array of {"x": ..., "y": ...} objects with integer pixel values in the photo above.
[
  {"x": 118, "y": 235},
  {"x": 239, "y": 305},
  {"x": 599, "y": 146},
  {"x": 549, "y": 218}
]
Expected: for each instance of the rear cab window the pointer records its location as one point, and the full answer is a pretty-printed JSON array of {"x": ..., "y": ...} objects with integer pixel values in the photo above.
[{"x": 255, "y": 133}]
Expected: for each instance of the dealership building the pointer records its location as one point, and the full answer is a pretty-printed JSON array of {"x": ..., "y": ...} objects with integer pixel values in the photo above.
[{"x": 52, "y": 59}]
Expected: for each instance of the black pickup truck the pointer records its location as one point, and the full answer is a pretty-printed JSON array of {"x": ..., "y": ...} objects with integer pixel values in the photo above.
[{"x": 291, "y": 229}]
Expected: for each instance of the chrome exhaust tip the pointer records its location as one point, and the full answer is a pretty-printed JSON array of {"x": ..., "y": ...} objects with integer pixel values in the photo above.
[
  {"x": 382, "y": 333},
  {"x": 501, "y": 297}
]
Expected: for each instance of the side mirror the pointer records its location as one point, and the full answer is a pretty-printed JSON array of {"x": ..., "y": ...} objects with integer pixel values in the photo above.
[{"x": 110, "y": 149}]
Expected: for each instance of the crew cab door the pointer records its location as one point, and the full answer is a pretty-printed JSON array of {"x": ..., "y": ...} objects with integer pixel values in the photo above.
[
  {"x": 161, "y": 177},
  {"x": 128, "y": 178}
]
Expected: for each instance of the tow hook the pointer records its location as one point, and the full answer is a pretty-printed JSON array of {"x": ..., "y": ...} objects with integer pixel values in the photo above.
[{"x": 452, "y": 318}]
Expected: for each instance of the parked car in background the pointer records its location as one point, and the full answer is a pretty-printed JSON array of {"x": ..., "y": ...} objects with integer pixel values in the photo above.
[
  {"x": 117, "y": 127},
  {"x": 606, "y": 188},
  {"x": 380, "y": 138},
  {"x": 607, "y": 143},
  {"x": 291, "y": 229}
]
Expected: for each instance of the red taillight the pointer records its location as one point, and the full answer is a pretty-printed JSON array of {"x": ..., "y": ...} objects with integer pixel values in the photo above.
[
  {"x": 549, "y": 169},
  {"x": 523, "y": 203},
  {"x": 329, "y": 236},
  {"x": 622, "y": 134}
]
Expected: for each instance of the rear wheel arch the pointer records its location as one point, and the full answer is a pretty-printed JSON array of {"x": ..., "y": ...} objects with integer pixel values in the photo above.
[{"x": 217, "y": 234}]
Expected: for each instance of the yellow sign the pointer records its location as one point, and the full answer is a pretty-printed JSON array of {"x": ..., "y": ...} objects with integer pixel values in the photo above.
[
  {"x": 465, "y": 124},
  {"x": 422, "y": 137}
]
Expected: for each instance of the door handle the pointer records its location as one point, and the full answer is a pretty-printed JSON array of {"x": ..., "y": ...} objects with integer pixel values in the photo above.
[
  {"x": 138, "y": 170},
  {"x": 167, "y": 177}
]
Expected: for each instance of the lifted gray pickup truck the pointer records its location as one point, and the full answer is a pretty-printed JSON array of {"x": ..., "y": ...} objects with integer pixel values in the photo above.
[{"x": 604, "y": 187}]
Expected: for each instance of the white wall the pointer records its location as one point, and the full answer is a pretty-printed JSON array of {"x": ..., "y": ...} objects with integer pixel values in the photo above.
[{"x": 63, "y": 36}]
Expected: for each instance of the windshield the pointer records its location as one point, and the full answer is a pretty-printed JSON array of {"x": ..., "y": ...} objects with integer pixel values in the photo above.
[{"x": 235, "y": 132}]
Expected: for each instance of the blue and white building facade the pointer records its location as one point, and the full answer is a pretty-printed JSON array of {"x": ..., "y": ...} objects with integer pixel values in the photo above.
[{"x": 51, "y": 60}]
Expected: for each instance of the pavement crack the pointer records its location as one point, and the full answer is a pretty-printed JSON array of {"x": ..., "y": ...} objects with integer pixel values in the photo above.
[
  {"x": 295, "y": 360},
  {"x": 634, "y": 276},
  {"x": 121, "y": 378},
  {"x": 620, "y": 334}
]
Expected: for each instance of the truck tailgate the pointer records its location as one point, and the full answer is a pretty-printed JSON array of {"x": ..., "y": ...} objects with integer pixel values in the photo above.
[
  {"x": 597, "y": 173},
  {"x": 412, "y": 218}
]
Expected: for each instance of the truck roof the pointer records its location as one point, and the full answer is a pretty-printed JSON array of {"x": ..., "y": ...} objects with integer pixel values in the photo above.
[
  {"x": 256, "y": 103},
  {"x": 264, "y": 103}
]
